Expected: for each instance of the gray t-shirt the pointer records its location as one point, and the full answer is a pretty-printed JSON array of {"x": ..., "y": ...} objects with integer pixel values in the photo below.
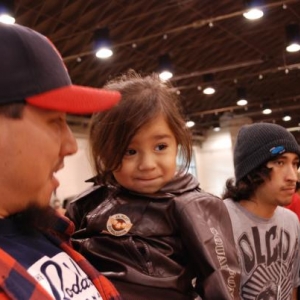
[{"x": 268, "y": 251}]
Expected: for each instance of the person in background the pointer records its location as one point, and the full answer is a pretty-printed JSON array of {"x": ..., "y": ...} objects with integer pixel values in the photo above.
[
  {"x": 295, "y": 207},
  {"x": 36, "y": 258},
  {"x": 295, "y": 203},
  {"x": 146, "y": 224},
  {"x": 266, "y": 159},
  {"x": 57, "y": 205}
]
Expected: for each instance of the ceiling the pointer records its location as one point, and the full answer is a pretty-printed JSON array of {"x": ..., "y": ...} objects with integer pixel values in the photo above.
[{"x": 201, "y": 37}]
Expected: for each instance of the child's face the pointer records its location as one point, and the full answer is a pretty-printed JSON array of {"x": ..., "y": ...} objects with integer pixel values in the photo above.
[{"x": 150, "y": 160}]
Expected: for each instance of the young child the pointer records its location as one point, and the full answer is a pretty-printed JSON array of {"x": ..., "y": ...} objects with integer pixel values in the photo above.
[
  {"x": 266, "y": 159},
  {"x": 146, "y": 225}
]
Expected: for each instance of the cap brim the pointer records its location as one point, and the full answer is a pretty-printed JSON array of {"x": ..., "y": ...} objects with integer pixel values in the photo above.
[{"x": 76, "y": 99}]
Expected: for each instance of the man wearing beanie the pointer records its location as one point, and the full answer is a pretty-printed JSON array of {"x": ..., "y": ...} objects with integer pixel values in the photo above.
[
  {"x": 36, "y": 259},
  {"x": 266, "y": 159}
]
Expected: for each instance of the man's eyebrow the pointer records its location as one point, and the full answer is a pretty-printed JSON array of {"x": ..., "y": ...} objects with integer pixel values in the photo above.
[{"x": 283, "y": 156}]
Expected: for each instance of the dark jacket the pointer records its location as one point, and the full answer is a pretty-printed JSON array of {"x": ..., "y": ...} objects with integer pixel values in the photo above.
[{"x": 169, "y": 238}]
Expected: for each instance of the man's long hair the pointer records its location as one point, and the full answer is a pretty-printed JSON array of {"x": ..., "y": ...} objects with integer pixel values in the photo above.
[{"x": 245, "y": 188}]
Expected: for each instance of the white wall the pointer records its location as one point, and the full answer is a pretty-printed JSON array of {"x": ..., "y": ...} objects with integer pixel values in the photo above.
[
  {"x": 77, "y": 169},
  {"x": 214, "y": 161}
]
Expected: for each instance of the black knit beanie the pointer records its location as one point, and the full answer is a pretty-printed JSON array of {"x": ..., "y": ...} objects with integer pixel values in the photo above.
[{"x": 258, "y": 143}]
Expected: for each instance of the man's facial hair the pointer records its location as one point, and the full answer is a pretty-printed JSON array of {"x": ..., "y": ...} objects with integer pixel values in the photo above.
[{"x": 34, "y": 218}]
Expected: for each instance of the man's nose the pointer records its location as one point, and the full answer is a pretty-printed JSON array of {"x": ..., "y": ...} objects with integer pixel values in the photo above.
[{"x": 69, "y": 144}]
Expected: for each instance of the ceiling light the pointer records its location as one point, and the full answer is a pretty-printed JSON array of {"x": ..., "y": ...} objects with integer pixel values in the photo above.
[
  {"x": 292, "y": 37},
  {"x": 265, "y": 106},
  {"x": 102, "y": 43},
  {"x": 7, "y": 19},
  {"x": 165, "y": 75},
  {"x": 253, "y": 12},
  {"x": 104, "y": 52},
  {"x": 267, "y": 111},
  {"x": 241, "y": 93},
  {"x": 165, "y": 67},
  {"x": 6, "y": 12},
  {"x": 216, "y": 128},
  {"x": 190, "y": 124},
  {"x": 287, "y": 118},
  {"x": 209, "y": 88},
  {"x": 242, "y": 102}
]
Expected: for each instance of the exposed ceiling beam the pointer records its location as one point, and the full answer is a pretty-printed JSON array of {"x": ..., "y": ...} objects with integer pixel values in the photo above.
[
  {"x": 236, "y": 107},
  {"x": 196, "y": 24}
]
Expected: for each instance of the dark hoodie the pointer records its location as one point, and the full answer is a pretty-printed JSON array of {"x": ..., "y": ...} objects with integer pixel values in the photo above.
[{"x": 153, "y": 246}]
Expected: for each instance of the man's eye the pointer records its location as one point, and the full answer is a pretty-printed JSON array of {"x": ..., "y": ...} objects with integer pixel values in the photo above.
[
  {"x": 130, "y": 152},
  {"x": 58, "y": 121}
]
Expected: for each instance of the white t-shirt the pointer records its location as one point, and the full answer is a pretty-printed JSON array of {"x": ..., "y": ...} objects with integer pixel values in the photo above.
[{"x": 268, "y": 251}]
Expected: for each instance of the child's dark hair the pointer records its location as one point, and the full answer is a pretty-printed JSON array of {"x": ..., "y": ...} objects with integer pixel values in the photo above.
[{"x": 143, "y": 98}]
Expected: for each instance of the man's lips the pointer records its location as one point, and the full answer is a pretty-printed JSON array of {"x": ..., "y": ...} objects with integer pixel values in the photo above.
[
  {"x": 289, "y": 189},
  {"x": 55, "y": 182}
]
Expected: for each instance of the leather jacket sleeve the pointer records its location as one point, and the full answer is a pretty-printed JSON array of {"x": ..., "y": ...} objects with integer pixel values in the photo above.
[{"x": 207, "y": 234}]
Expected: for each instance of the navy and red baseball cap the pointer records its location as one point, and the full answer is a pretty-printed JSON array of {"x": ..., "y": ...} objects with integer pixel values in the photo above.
[{"x": 33, "y": 71}]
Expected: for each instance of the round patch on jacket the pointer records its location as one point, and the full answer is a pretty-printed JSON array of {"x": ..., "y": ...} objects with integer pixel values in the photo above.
[{"x": 118, "y": 224}]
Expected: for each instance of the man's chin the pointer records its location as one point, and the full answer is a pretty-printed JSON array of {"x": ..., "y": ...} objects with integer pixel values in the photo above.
[
  {"x": 285, "y": 202},
  {"x": 35, "y": 216}
]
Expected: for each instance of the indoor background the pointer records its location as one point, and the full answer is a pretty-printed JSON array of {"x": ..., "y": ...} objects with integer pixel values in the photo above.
[{"x": 202, "y": 43}]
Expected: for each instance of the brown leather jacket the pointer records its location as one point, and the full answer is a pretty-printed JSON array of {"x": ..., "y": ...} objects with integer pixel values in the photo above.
[{"x": 152, "y": 246}]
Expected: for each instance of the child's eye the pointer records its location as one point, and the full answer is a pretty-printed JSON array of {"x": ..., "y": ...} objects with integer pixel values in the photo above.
[
  {"x": 161, "y": 147},
  {"x": 130, "y": 152}
]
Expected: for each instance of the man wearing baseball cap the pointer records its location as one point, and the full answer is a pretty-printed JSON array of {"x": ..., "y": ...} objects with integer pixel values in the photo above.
[
  {"x": 36, "y": 260},
  {"x": 266, "y": 160}
]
